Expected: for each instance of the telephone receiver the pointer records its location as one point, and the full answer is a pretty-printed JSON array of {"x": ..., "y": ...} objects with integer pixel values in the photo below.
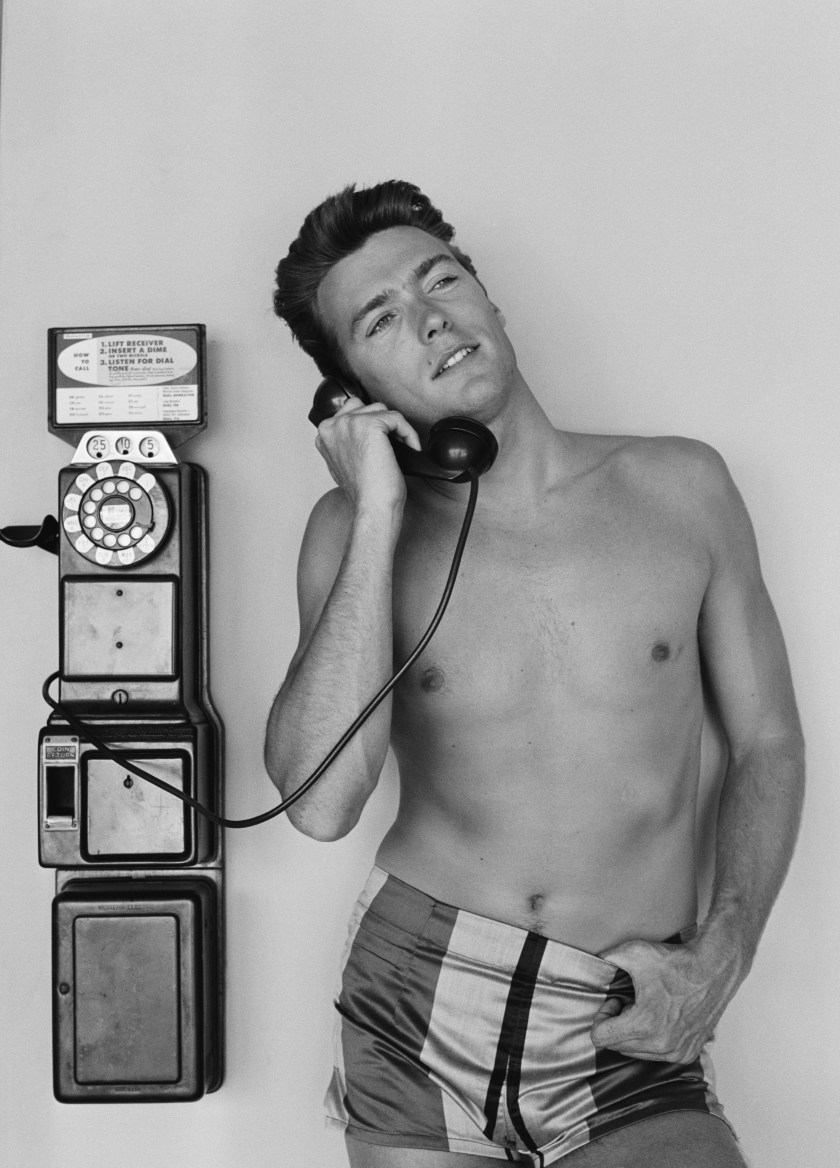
[{"x": 460, "y": 447}]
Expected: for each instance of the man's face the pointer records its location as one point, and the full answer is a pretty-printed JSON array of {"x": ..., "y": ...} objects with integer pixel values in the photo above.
[{"x": 417, "y": 329}]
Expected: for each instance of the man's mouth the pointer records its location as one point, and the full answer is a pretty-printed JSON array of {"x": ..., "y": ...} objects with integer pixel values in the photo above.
[{"x": 455, "y": 358}]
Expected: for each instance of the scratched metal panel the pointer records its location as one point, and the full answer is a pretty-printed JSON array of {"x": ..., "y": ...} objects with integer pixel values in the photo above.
[
  {"x": 124, "y": 628},
  {"x": 126, "y": 817},
  {"x": 127, "y": 999}
]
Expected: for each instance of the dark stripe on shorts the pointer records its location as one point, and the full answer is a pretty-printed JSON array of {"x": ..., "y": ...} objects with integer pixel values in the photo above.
[{"x": 508, "y": 1062}]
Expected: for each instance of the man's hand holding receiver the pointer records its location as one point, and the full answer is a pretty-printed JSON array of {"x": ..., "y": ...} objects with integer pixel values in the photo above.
[{"x": 355, "y": 445}]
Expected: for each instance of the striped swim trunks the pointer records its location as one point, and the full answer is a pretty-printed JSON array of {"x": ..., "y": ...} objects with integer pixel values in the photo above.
[{"x": 463, "y": 1034}]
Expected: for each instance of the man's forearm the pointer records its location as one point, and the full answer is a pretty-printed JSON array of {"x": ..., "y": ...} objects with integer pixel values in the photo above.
[
  {"x": 348, "y": 658},
  {"x": 758, "y": 820}
]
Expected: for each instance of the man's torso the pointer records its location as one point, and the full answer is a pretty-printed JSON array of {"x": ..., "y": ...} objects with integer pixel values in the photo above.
[{"x": 548, "y": 738}]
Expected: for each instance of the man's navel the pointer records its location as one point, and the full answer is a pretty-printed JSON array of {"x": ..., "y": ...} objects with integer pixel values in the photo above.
[{"x": 534, "y": 918}]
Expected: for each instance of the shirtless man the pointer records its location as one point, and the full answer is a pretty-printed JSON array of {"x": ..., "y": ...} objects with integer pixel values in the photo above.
[{"x": 522, "y": 981}]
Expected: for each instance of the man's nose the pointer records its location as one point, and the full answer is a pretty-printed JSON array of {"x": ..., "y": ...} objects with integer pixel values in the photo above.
[{"x": 433, "y": 321}]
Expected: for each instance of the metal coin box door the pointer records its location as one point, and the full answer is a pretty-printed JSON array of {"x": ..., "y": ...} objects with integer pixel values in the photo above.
[{"x": 138, "y": 912}]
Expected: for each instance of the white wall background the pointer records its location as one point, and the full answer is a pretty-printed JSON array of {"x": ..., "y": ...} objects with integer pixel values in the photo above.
[{"x": 650, "y": 192}]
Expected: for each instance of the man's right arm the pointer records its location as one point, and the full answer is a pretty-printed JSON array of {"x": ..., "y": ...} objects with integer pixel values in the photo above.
[{"x": 345, "y": 652}]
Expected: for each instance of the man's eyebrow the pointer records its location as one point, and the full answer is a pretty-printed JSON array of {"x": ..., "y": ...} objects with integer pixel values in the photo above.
[
  {"x": 426, "y": 266},
  {"x": 375, "y": 302},
  {"x": 381, "y": 298}
]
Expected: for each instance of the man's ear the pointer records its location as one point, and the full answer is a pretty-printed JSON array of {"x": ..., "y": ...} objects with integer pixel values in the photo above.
[
  {"x": 351, "y": 383},
  {"x": 355, "y": 386}
]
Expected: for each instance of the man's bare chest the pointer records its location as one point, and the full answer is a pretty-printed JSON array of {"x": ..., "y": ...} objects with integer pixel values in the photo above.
[{"x": 588, "y": 605}]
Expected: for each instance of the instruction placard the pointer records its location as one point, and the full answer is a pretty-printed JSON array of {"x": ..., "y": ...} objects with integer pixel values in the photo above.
[{"x": 132, "y": 376}]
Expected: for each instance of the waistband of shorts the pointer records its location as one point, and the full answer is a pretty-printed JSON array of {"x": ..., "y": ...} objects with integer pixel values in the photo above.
[{"x": 478, "y": 938}]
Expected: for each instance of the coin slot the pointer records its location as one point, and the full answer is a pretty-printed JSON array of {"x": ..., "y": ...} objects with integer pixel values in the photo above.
[{"x": 60, "y": 791}]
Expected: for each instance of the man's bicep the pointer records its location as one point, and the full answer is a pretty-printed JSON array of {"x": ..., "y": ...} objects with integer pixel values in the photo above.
[
  {"x": 321, "y": 553},
  {"x": 741, "y": 640}
]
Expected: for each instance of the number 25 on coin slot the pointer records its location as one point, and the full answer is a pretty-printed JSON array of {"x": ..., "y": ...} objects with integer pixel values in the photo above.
[{"x": 137, "y": 916}]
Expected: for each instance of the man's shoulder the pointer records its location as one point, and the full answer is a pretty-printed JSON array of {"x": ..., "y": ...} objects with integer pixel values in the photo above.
[
  {"x": 331, "y": 516},
  {"x": 666, "y": 453},
  {"x": 685, "y": 468},
  {"x": 672, "y": 477},
  {"x": 326, "y": 534}
]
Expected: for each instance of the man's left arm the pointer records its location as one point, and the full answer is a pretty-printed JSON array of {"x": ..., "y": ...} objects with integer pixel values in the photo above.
[{"x": 681, "y": 991}]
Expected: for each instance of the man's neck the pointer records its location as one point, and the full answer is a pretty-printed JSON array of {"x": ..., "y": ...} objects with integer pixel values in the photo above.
[{"x": 532, "y": 457}]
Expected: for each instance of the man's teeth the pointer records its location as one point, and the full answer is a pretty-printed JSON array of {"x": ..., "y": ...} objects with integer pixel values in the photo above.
[{"x": 455, "y": 358}]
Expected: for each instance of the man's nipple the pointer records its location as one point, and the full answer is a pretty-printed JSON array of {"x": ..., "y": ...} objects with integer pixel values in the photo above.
[
  {"x": 433, "y": 679},
  {"x": 663, "y": 651}
]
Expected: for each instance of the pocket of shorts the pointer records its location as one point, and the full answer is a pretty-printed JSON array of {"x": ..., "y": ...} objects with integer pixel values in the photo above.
[
  {"x": 374, "y": 973},
  {"x": 385, "y": 939}
]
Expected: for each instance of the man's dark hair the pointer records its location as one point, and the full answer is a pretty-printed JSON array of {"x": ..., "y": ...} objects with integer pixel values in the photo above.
[{"x": 335, "y": 229}]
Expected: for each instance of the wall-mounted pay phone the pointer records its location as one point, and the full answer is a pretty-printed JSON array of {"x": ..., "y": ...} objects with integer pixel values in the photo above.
[{"x": 137, "y": 917}]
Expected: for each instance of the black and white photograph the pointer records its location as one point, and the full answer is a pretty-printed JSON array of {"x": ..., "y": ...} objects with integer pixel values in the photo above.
[{"x": 419, "y": 559}]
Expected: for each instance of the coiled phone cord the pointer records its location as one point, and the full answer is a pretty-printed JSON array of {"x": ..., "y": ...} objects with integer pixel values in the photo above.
[{"x": 84, "y": 731}]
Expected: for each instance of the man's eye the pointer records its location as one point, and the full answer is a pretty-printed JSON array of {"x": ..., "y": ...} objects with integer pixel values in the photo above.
[
  {"x": 380, "y": 323},
  {"x": 444, "y": 281}
]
